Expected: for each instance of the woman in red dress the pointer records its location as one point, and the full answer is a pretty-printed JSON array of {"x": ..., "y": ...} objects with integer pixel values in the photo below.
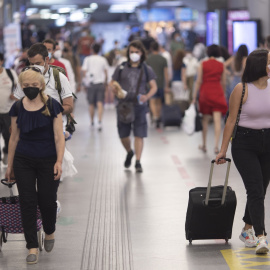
[{"x": 211, "y": 82}]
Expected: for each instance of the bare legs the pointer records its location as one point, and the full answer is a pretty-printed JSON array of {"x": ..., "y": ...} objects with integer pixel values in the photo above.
[
  {"x": 155, "y": 106},
  {"x": 217, "y": 126},
  {"x": 92, "y": 111},
  {"x": 138, "y": 144}
]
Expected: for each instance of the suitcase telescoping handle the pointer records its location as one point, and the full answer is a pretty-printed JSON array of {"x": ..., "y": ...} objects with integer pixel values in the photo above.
[
  {"x": 9, "y": 184},
  {"x": 225, "y": 183}
]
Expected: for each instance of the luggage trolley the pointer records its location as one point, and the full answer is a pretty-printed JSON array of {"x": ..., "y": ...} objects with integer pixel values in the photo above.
[{"x": 10, "y": 217}]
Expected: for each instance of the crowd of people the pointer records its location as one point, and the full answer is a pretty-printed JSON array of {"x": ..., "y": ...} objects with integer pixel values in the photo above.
[{"x": 37, "y": 102}]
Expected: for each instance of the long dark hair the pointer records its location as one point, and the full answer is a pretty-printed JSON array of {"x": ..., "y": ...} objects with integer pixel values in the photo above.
[
  {"x": 240, "y": 54},
  {"x": 255, "y": 66},
  {"x": 178, "y": 59}
]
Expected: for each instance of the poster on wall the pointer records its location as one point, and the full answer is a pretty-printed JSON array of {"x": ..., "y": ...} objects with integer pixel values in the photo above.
[{"x": 12, "y": 43}]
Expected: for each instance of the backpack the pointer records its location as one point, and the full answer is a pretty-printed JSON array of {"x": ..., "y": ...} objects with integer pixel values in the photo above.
[
  {"x": 9, "y": 73},
  {"x": 70, "y": 126}
]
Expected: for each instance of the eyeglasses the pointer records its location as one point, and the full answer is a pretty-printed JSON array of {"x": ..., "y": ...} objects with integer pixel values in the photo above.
[{"x": 32, "y": 68}]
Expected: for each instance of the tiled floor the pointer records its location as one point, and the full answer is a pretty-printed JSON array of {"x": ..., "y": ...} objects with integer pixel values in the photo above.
[{"x": 113, "y": 218}]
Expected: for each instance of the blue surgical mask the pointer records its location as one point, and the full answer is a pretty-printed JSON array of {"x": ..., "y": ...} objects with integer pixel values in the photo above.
[{"x": 50, "y": 55}]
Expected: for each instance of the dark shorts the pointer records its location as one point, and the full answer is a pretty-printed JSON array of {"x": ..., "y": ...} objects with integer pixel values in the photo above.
[
  {"x": 159, "y": 94},
  {"x": 96, "y": 93},
  {"x": 139, "y": 126}
]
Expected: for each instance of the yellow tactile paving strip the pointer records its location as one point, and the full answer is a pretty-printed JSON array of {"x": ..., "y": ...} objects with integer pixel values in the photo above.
[{"x": 245, "y": 258}]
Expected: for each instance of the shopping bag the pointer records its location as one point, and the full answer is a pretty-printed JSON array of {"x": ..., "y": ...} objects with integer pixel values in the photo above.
[
  {"x": 188, "y": 123},
  {"x": 179, "y": 93}
]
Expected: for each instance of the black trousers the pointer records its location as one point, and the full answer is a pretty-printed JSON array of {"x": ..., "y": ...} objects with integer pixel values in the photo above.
[
  {"x": 5, "y": 122},
  {"x": 251, "y": 155},
  {"x": 36, "y": 186}
]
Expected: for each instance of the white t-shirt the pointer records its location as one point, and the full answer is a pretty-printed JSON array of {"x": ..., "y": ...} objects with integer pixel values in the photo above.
[
  {"x": 50, "y": 87},
  {"x": 70, "y": 73},
  {"x": 168, "y": 57},
  {"x": 192, "y": 64},
  {"x": 95, "y": 67},
  {"x": 5, "y": 90}
]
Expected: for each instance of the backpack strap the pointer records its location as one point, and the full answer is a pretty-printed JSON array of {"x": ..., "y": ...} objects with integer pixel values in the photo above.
[
  {"x": 122, "y": 65},
  {"x": 145, "y": 71},
  {"x": 57, "y": 82},
  {"x": 9, "y": 73}
]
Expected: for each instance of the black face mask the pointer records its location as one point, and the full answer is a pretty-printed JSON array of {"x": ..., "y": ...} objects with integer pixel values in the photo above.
[
  {"x": 31, "y": 92},
  {"x": 65, "y": 49}
]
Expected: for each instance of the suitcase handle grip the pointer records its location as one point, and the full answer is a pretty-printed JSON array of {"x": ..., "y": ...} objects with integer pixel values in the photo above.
[
  {"x": 225, "y": 183},
  {"x": 6, "y": 183},
  {"x": 226, "y": 159}
]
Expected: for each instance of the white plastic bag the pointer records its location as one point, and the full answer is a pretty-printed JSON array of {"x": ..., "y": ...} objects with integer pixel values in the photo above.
[
  {"x": 179, "y": 93},
  {"x": 68, "y": 169},
  {"x": 188, "y": 123}
]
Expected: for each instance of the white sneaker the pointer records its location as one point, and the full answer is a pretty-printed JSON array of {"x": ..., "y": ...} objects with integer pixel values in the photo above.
[
  {"x": 248, "y": 238},
  {"x": 262, "y": 246}
]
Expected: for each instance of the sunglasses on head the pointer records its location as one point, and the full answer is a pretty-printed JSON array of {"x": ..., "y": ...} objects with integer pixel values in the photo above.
[{"x": 32, "y": 68}]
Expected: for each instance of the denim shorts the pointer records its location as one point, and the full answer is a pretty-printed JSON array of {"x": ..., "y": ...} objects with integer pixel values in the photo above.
[{"x": 139, "y": 125}]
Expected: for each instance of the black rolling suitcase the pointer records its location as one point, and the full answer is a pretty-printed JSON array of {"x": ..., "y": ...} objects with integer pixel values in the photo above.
[
  {"x": 211, "y": 210},
  {"x": 171, "y": 115}
]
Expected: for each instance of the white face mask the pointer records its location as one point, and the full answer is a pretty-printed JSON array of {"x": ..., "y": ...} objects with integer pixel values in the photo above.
[
  {"x": 134, "y": 57},
  {"x": 42, "y": 68},
  {"x": 57, "y": 54}
]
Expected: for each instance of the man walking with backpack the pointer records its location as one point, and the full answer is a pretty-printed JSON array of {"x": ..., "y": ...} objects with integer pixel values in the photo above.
[
  {"x": 8, "y": 80},
  {"x": 57, "y": 84},
  {"x": 133, "y": 77}
]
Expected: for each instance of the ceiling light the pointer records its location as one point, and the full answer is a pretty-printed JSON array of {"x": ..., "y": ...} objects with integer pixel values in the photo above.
[
  {"x": 88, "y": 10},
  {"x": 76, "y": 16},
  {"x": 123, "y": 8},
  {"x": 61, "y": 21},
  {"x": 44, "y": 11},
  {"x": 168, "y": 3},
  {"x": 64, "y": 10},
  {"x": 45, "y": 16},
  {"x": 55, "y": 16},
  {"x": 94, "y": 6},
  {"x": 31, "y": 11}
]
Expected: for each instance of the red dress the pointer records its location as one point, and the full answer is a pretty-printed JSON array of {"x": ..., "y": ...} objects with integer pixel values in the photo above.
[{"x": 212, "y": 97}]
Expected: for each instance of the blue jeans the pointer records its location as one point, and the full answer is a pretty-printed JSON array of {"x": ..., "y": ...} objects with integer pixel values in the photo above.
[{"x": 251, "y": 155}]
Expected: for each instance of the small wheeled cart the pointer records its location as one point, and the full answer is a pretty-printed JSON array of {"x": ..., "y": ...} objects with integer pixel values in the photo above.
[{"x": 10, "y": 217}]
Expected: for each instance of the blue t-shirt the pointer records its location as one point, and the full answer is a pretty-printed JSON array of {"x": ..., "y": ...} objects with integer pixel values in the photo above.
[
  {"x": 177, "y": 73},
  {"x": 36, "y": 129}
]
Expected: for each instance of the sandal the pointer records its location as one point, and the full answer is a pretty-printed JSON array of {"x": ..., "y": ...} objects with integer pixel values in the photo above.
[
  {"x": 202, "y": 148},
  {"x": 216, "y": 150}
]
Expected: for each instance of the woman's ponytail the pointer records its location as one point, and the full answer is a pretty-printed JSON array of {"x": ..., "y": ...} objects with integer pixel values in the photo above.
[{"x": 46, "y": 111}]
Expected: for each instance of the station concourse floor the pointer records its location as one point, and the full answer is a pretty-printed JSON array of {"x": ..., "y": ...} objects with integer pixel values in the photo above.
[{"x": 115, "y": 219}]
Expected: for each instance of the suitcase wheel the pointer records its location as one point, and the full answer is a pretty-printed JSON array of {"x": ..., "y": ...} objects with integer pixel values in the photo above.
[
  {"x": 190, "y": 240},
  {"x": 227, "y": 240}
]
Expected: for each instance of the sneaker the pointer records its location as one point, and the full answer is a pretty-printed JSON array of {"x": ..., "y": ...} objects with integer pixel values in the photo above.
[
  {"x": 99, "y": 126},
  {"x": 130, "y": 155},
  {"x": 248, "y": 238},
  {"x": 138, "y": 167},
  {"x": 262, "y": 246}
]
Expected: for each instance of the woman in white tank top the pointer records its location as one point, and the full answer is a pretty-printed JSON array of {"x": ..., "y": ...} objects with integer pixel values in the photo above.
[{"x": 251, "y": 144}]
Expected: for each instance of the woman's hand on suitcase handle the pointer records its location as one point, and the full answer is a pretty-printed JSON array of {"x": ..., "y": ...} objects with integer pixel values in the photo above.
[
  {"x": 57, "y": 170},
  {"x": 10, "y": 175},
  {"x": 220, "y": 158}
]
